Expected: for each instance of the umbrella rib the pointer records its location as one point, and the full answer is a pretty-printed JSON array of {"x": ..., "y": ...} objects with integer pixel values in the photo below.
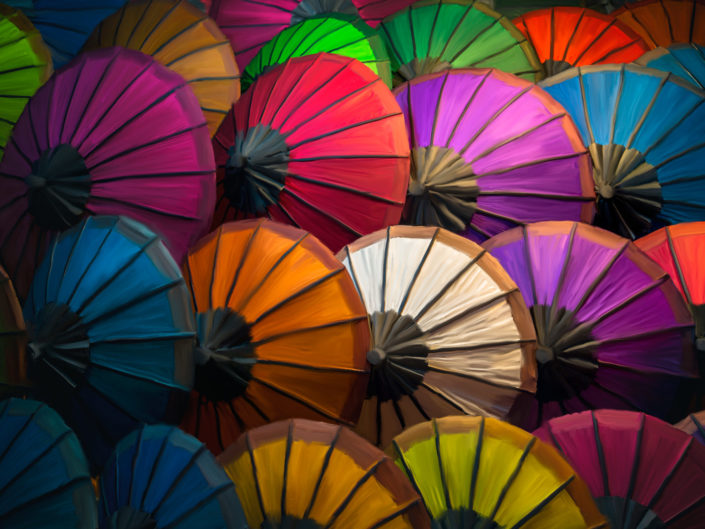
[
  {"x": 643, "y": 117},
  {"x": 196, "y": 51},
  {"x": 634, "y": 470},
  {"x": 136, "y": 25},
  {"x": 312, "y": 367},
  {"x": 687, "y": 510},
  {"x": 595, "y": 283},
  {"x": 605, "y": 57},
  {"x": 396, "y": 514},
  {"x": 407, "y": 469},
  {"x": 470, "y": 310},
  {"x": 600, "y": 455},
  {"x": 69, "y": 258},
  {"x": 178, "y": 477},
  {"x": 324, "y": 467},
  {"x": 155, "y": 464},
  {"x": 666, "y": 481},
  {"x": 692, "y": 79},
  {"x": 143, "y": 208},
  {"x": 572, "y": 36},
  {"x": 646, "y": 334},
  {"x": 24, "y": 249},
  {"x": 135, "y": 457},
  {"x": 302, "y": 52},
  {"x": 530, "y": 266},
  {"x": 335, "y": 220},
  {"x": 156, "y": 26},
  {"x": 617, "y": 101},
  {"x": 646, "y": 29},
  {"x": 343, "y": 505},
  {"x": 476, "y": 378},
  {"x": 153, "y": 175},
  {"x": 512, "y": 477},
  {"x": 548, "y": 499},
  {"x": 438, "y": 101},
  {"x": 287, "y": 457},
  {"x": 175, "y": 36},
  {"x": 296, "y": 29},
  {"x": 548, "y": 196},
  {"x": 150, "y": 379},
  {"x": 21, "y": 430},
  {"x": 597, "y": 38},
  {"x": 474, "y": 39},
  {"x": 213, "y": 493},
  {"x": 342, "y": 129},
  {"x": 47, "y": 495},
  {"x": 476, "y": 464},
  {"x": 417, "y": 272},
  {"x": 236, "y": 415},
  {"x": 469, "y": 102},
  {"x": 20, "y": 151},
  {"x": 586, "y": 115},
  {"x": 385, "y": 264},
  {"x": 15, "y": 225},
  {"x": 630, "y": 405},
  {"x": 284, "y": 334},
  {"x": 274, "y": 6},
  {"x": 250, "y": 451},
  {"x": 392, "y": 46},
  {"x": 350, "y": 190},
  {"x": 243, "y": 258},
  {"x": 437, "y": 443},
  {"x": 51, "y": 24},
  {"x": 533, "y": 162},
  {"x": 218, "y": 238}
]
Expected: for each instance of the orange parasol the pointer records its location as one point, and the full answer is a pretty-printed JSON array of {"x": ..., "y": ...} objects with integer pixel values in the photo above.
[{"x": 665, "y": 22}]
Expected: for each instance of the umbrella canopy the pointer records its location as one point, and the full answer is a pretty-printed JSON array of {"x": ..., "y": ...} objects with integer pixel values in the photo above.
[
  {"x": 340, "y": 34},
  {"x": 162, "y": 476},
  {"x": 489, "y": 152},
  {"x": 114, "y": 132},
  {"x": 435, "y": 35},
  {"x": 282, "y": 332},
  {"x": 318, "y": 142},
  {"x": 645, "y": 130},
  {"x": 694, "y": 424},
  {"x": 249, "y": 24},
  {"x": 564, "y": 37},
  {"x": 203, "y": 5},
  {"x": 13, "y": 369},
  {"x": 684, "y": 60},
  {"x": 25, "y": 64},
  {"x": 182, "y": 38},
  {"x": 665, "y": 22},
  {"x": 313, "y": 475},
  {"x": 450, "y": 332},
  {"x": 373, "y": 11},
  {"x": 110, "y": 333},
  {"x": 643, "y": 472},
  {"x": 477, "y": 472},
  {"x": 515, "y": 8},
  {"x": 66, "y": 24},
  {"x": 45, "y": 482},
  {"x": 612, "y": 329}
]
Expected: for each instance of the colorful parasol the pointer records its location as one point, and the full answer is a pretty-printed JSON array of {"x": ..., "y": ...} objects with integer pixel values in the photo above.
[
  {"x": 318, "y": 142},
  {"x": 114, "y": 132},
  {"x": 65, "y": 24},
  {"x": 564, "y": 37},
  {"x": 13, "y": 369},
  {"x": 694, "y": 424},
  {"x": 612, "y": 329},
  {"x": 665, "y": 22},
  {"x": 25, "y": 64},
  {"x": 179, "y": 36},
  {"x": 249, "y": 24},
  {"x": 282, "y": 332},
  {"x": 340, "y": 34},
  {"x": 477, "y": 472},
  {"x": 45, "y": 482},
  {"x": 645, "y": 130},
  {"x": 203, "y": 5},
  {"x": 110, "y": 333},
  {"x": 642, "y": 472},
  {"x": 450, "y": 332},
  {"x": 158, "y": 476},
  {"x": 308, "y": 474},
  {"x": 515, "y": 8},
  {"x": 373, "y": 11},
  {"x": 435, "y": 35},
  {"x": 684, "y": 60},
  {"x": 490, "y": 152}
]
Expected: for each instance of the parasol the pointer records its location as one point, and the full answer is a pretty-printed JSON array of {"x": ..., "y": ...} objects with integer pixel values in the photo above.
[
  {"x": 477, "y": 472},
  {"x": 665, "y": 22},
  {"x": 282, "y": 332},
  {"x": 179, "y": 36},
  {"x": 340, "y": 34},
  {"x": 612, "y": 329},
  {"x": 203, "y": 5},
  {"x": 13, "y": 370},
  {"x": 110, "y": 333},
  {"x": 249, "y": 24},
  {"x": 450, "y": 332},
  {"x": 694, "y": 424},
  {"x": 25, "y": 64},
  {"x": 645, "y": 130},
  {"x": 373, "y": 11},
  {"x": 65, "y": 24},
  {"x": 684, "y": 60},
  {"x": 318, "y": 142},
  {"x": 161, "y": 476},
  {"x": 564, "y": 37},
  {"x": 45, "y": 482},
  {"x": 308, "y": 474},
  {"x": 515, "y": 8},
  {"x": 643, "y": 472},
  {"x": 435, "y": 35},
  {"x": 114, "y": 132},
  {"x": 490, "y": 152}
]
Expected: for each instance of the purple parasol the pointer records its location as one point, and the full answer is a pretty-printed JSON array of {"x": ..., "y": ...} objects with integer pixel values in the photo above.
[
  {"x": 491, "y": 151},
  {"x": 112, "y": 133},
  {"x": 613, "y": 330}
]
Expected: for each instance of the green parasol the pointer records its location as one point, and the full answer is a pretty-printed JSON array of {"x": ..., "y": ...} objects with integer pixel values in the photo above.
[{"x": 339, "y": 34}]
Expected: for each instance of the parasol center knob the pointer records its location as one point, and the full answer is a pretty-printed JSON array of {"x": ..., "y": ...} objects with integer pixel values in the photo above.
[
  {"x": 700, "y": 344},
  {"x": 34, "y": 181},
  {"x": 545, "y": 354},
  {"x": 606, "y": 191},
  {"x": 376, "y": 356},
  {"x": 416, "y": 187},
  {"x": 35, "y": 351}
]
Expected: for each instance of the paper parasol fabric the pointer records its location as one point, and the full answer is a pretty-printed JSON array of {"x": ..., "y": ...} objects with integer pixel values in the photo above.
[
  {"x": 477, "y": 472},
  {"x": 182, "y": 38},
  {"x": 490, "y": 151},
  {"x": 13, "y": 368},
  {"x": 665, "y": 22},
  {"x": 642, "y": 472},
  {"x": 45, "y": 482},
  {"x": 645, "y": 130},
  {"x": 684, "y": 60},
  {"x": 564, "y": 37},
  {"x": 282, "y": 332},
  {"x": 318, "y": 142},
  {"x": 435, "y": 35},
  {"x": 249, "y": 24},
  {"x": 342, "y": 35},
  {"x": 65, "y": 24},
  {"x": 110, "y": 332},
  {"x": 612, "y": 329},
  {"x": 373, "y": 11},
  {"x": 313, "y": 475},
  {"x": 203, "y": 5},
  {"x": 694, "y": 425},
  {"x": 114, "y": 132},
  {"x": 25, "y": 64},
  {"x": 450, "y": 332},
  {"x": 161, "y": 476}
]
